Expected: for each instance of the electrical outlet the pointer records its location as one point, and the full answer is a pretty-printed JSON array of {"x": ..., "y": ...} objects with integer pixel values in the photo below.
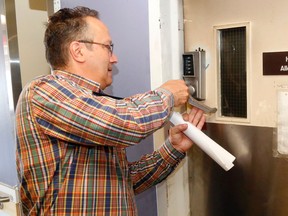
[{"x": 56, "y": 5}]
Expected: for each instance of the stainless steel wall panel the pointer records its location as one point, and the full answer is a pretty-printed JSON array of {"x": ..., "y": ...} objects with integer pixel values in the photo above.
[
  {"x": 10, "y": 87},
  {"x": 255, "y": 186},
  {"x": 13, "y": 49}
]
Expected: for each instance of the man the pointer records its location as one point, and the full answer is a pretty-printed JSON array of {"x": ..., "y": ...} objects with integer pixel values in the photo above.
[{"x": 71, "y": 137}]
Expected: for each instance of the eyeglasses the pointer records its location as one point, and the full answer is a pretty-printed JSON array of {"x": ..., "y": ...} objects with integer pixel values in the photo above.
[{"x": 108, "y": 46}]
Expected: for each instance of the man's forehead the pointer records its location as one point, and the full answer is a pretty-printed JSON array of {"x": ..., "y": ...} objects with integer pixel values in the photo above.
[
  {"x": 98, "y": 28},
  {"x": 97, "y": 24}
]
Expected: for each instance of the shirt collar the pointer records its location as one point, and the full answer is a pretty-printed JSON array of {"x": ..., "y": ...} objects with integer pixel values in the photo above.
[{"x": 79, "y": 80}]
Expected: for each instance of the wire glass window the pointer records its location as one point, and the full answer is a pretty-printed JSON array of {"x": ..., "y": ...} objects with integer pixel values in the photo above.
[{"x": 233, "y": 72}]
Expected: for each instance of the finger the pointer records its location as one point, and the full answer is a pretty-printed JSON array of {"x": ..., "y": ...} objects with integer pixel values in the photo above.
[
  {"x": 192, "y": 113},
  {"x": 195, "y": 115},
  {"x": 178, "y": 129},
  {"x": 185, "y": 116},
  {"x": 201, "y": 122},
  {"x": 198, "y": 117}
]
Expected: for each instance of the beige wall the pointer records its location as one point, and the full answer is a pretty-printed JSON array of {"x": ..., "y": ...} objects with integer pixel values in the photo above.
[
  {"x": 267, "y": 20},
  {"x": 31, "y": 16},
  {"x": 166, "y": 48}
]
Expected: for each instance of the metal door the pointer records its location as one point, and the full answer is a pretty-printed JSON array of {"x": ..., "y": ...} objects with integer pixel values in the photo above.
[{"x": 10, "y": 87}]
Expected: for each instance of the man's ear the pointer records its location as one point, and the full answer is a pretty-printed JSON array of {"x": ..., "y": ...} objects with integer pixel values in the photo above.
[{"x": 76, "y": 50}]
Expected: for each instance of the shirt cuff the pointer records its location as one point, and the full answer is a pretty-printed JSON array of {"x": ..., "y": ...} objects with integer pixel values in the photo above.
[
  {"x": 168, "y": 94},
  {"x": 170, "y": 154}
]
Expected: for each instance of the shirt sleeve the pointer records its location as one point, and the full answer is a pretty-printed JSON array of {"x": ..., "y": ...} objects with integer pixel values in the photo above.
[
  {"x": 79, "y": 117},
  {"x": 154, "y": 168}
]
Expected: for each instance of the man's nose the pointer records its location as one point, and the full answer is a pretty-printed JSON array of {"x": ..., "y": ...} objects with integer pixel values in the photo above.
[{"x": 113, "y": 58}]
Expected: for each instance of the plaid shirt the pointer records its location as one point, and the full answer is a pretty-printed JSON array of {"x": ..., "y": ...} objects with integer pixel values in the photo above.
[{"x": 71, "y": 157}]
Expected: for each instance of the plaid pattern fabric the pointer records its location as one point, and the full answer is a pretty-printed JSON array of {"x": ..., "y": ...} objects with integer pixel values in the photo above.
[{"x": 71, "y": 157}]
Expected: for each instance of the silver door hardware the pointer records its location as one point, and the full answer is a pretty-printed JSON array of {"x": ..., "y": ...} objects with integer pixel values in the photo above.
[
  {"x": 194, "y": 66},
  {"x": 201, "y": 105},
  {"x": 3, "y": 199},
  {"x": 194, "y": 75}
]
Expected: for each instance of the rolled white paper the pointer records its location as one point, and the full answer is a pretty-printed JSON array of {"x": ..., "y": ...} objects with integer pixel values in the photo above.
[{"x": 209, "y": 146}]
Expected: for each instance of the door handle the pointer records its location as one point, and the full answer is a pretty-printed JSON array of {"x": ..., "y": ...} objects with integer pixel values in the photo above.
[{"x": 3, "y": 199}]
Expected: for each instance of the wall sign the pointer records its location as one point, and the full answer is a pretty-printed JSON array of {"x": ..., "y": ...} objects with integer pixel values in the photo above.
[{"x": 275, "y": 63}]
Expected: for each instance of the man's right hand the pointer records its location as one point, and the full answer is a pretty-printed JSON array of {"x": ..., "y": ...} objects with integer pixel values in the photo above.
[
  {"x": 178, "y": 139},
  {"x": 178, "y": 89}
]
